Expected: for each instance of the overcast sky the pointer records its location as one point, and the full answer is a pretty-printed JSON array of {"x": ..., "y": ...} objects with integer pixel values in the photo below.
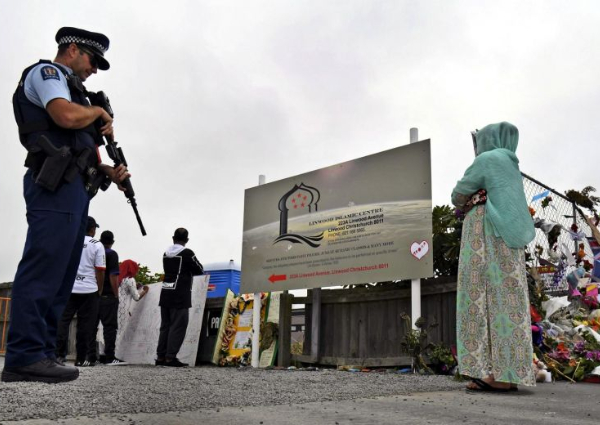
[{"x": 209, "y": 94}]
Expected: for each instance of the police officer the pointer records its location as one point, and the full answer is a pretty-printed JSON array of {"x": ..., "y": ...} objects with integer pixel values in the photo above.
[{"x": 51, "y": 110}]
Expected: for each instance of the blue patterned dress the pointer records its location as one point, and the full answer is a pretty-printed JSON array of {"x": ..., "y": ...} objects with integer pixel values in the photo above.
[{"x": 493, "y": 321}]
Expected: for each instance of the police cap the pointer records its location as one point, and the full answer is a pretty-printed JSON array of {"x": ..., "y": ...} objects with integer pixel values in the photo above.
[{"x": 94, "y": 41}]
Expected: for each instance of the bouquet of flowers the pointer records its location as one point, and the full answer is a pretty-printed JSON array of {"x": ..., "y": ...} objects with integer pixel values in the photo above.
[{"x": 478, "y": 198}]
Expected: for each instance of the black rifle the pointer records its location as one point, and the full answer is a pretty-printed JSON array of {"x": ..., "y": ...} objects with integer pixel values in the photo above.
[{"x": 114, "y": 152}]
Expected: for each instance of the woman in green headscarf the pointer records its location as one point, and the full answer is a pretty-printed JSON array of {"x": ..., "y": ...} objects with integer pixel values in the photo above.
[{"x": 494, "y": 345}]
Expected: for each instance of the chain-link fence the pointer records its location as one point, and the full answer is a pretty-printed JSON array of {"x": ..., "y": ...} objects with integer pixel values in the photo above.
[{"x": 556, "y": 241}]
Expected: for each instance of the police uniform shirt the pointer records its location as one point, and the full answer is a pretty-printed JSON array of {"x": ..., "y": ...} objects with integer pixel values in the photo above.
[
  {"x": 46, "y": 82},
  {"x": 93, "y": 258}
]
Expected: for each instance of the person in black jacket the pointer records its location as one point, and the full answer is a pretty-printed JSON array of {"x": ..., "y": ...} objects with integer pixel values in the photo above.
[{"x": 180, "y": 266}]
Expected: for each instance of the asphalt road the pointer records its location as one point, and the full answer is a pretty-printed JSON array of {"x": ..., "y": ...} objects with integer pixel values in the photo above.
[{"x": 209, "y": 395}]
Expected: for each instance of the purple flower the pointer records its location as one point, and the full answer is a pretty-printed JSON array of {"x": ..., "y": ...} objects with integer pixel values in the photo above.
[
  {"x": 559, "y": 355},
  {"x": 557, "y": 277},
  {"x": 579, "y": 347}
]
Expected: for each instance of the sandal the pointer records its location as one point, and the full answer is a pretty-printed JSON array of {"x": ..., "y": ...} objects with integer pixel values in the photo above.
[{"x": 484, "y": 387}]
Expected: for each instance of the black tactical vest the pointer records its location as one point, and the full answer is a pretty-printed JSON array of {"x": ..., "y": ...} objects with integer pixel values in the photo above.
[{"x": 34, "y": 121}]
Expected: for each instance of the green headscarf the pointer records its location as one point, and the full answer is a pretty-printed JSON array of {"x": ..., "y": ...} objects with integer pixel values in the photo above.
[{"x": 496, "y": 169}]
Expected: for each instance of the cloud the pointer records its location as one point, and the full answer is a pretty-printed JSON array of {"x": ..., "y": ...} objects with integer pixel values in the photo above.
[{"x": 209, "y": 95}]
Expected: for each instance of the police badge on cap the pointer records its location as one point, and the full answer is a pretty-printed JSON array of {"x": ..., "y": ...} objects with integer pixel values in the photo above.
[{"x": 94, "y": 41}]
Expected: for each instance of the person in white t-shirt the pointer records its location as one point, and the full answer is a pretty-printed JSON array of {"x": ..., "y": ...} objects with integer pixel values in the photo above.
[{"x": 84, "y": 300}]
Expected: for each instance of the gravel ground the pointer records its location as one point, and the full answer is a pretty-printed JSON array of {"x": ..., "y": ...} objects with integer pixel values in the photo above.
[{"x": 149, "y": 389}]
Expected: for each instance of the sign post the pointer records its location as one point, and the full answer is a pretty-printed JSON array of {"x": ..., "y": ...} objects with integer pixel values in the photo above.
[
  {"x": 256, "y": 312},
  {"x": 415, "y": 284}
]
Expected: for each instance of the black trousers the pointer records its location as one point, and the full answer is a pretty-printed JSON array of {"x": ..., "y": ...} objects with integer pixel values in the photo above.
[
  {"x": 108, "y": 316},
  {"x": 86, "y": 307},
  {"x": 173, "y": 325}
]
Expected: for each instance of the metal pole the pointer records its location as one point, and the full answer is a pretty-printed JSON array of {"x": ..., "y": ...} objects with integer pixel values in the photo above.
[
  {"x": 546, "y": 187},
  {"x": 415, "y": 284},
  {"x": 575, "y": 223},
  {"x": 256, "y": 312}
]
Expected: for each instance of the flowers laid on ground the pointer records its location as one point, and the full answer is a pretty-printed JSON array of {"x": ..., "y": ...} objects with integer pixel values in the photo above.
[
  {"x": 442, "y": 358},
  {"x": 574, "y": 360},
  {"x": 233, "y": 352},
  {"x": 568, "y": 340}
]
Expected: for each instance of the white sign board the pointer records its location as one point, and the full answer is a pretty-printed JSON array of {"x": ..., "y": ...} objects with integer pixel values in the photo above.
[{"x": 366, "y": 220}]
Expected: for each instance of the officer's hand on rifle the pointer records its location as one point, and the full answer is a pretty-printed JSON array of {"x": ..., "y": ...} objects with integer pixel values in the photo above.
[
  {"x": 116, "y": 174},
  {"x": 107, "y": 127}
]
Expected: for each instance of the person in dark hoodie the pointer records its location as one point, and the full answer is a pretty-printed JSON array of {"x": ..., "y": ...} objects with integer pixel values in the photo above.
[{"x": 180, "y": 265}]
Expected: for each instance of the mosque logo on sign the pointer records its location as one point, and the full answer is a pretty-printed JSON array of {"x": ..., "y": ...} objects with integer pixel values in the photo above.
[{"x": 299, "y": 199}]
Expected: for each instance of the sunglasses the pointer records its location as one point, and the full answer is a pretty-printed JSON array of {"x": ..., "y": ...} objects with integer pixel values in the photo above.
[{"x": 92, "y": 56}]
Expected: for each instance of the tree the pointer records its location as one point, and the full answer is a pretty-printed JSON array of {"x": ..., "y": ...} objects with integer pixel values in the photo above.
[
  {"x": 584, "y": 198},
  {"x": 447, "y": 229},
  {"x": 145, "y": 276}
]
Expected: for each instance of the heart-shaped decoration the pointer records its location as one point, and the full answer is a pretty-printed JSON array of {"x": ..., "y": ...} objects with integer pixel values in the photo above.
[{"x": 419, "y": 249}]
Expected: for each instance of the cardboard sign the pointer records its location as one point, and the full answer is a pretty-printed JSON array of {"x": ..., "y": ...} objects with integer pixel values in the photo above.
[{"x": 137, "y": 337}]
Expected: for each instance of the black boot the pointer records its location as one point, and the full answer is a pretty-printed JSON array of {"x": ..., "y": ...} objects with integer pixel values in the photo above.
[
  {"x": 46, "y": 370},
  {"x": 174, "y": 363}
]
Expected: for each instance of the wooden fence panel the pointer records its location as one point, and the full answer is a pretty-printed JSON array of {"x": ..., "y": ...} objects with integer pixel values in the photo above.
[
  {"x": 392, "y": 327},
  {"x": 362, "y": 326},
  {"x": 328, "y": 331},
  {"x": 345, "y": 329},
  {"x": 5, "y": 294},
  {"x": 354, "y": 312}
]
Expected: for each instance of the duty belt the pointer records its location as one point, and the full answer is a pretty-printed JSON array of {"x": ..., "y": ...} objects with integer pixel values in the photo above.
[{"x": 54, "y": 166}]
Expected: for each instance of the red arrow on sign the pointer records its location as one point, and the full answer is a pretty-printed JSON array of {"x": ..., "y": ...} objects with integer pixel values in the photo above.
[{"x": 275, "y": 277}]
